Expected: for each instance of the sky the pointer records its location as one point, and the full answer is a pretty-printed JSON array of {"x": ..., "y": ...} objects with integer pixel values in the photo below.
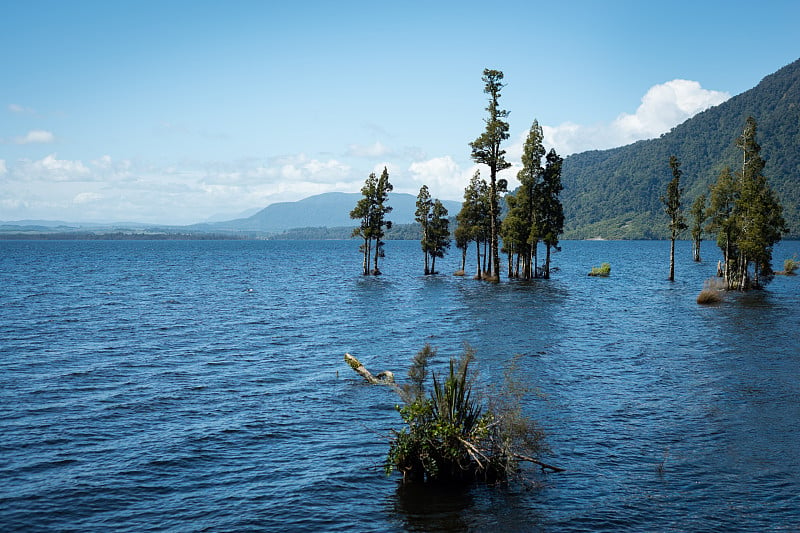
[{"x": 177, "y": 112}]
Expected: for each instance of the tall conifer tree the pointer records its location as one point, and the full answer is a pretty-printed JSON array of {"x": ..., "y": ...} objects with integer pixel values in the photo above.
[
  {"x": 672, "y": 207},
  {"x": 422, "y": 216},
  {"x": 486, "y": 150},
  {"x": 551, "y": 211},
  {"x": 371, "y": 210}
]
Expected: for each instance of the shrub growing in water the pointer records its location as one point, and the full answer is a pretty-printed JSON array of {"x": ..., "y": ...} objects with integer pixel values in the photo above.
[
  {"x": 790, "y": 265},
  {"x": 604, "y": 270},
  {"x": 712, "y": 292},
  {"x": 453, "y": 435}
]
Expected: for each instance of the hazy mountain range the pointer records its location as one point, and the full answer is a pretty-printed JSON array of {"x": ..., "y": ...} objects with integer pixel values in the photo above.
[{"x": 331, "y": 210}]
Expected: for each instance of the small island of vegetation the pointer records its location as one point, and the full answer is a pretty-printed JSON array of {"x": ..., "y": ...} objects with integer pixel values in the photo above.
[
  {"x": 452, "y": 432},
  {"x": 603, "y": 271}
]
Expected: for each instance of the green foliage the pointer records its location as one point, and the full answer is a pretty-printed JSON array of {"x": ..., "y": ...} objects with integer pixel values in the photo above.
[
  {"x": 473, "y": 220},
  {"x": 431, "y": 215},
  {"x": 371, "y": 211},
  {"x": 522, "y": 227},
  {"x": 486, "y": 150},
  {"x": 535, "y": 213},
  {"x": 747, "y": 217},
  {"x": 615, "y": 193},
  {"x": 604, "y": 270},
  {"x": 452, "y": 434},
  {"x": 790, "y": 266},
  {"x": 672, "y": 200},
  {"x": 699, "y": 215}
]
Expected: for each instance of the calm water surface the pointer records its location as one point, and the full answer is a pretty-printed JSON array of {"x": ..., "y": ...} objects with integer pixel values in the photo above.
[{"x": 188, "y": 386}]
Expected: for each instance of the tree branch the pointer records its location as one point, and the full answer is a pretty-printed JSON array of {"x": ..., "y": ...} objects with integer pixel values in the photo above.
[{"x": 544, "y": 466}]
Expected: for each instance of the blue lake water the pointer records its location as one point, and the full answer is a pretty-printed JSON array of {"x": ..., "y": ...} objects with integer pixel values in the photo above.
[{"x": 200, "y": 385}]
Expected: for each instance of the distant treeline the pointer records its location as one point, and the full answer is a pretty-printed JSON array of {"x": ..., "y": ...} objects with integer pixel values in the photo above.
[
  {"x": 120, "y": 236},
  {"x": 399, "y": 232}
]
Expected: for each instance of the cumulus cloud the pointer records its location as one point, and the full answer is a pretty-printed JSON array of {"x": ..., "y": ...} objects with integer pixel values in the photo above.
[
  {"x": 372, "y": 151},
  {"x": 302, "y": 168},
  {"x": 663, "y": 107},
  {"x": 442, "y": 175},
  {"x": 36, "y": 137},
  {"x": 50, "y": 168}
]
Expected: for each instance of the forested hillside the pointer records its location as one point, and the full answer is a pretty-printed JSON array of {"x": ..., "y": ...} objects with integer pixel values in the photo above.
[{"x": 615, "y": 193}]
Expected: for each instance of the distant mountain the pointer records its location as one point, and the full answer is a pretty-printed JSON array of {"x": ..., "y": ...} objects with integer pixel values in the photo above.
[
  {"x": 615, "y": 193},
  {"x": 329, "y": 210}
]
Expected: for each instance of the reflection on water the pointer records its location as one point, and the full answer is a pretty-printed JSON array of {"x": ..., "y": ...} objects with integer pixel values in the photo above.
[
  {"x": 439, "y": 507},
  {"x": 431, "y": 507}
]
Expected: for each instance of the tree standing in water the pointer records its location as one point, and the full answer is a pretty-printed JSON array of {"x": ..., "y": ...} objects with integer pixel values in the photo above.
[
  {"x": 379, "y": 222},
  {"x": 758, "y": 213},
  {"x": 423, "y": 214},
  {"x": 363, "y": 212},
  {"x": 551, "y": 211},
  {"x": 672, "y": 207},
  {"x": 473, "y": 217},
  {"x": 523, "y": 219},
  {"x": 486, "y": 150},
  {"x": 747, "y": 217},
  {"x": 371, "y": 210},
  {"x": 699, "y": 216},
  {"x": 438, "y": 233}
]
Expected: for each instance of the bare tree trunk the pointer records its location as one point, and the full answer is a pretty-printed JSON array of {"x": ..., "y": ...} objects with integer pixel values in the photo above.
[
  {"x": 495, "y": 272},
  {"x": 478, "y": 251},
  {"x": 547, "y": 263},
  {"x": 672, "y": 260},
  {"x": 696, "y": 251},
  {"x": 366, "y": 256},
  {"x": 726, "y": 274},
  {"x": 375, "y": 270}
]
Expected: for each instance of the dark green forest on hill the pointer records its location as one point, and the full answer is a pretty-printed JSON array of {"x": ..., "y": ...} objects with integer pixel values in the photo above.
[{"x": 614, "y": 194}]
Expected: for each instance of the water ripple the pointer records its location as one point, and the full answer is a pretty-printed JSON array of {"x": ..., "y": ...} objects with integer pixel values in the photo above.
[{"x": 178, "y": 386}]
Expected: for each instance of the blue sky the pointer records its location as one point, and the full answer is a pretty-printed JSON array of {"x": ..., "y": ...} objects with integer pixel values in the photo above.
[{"x": 176, "y": 111}]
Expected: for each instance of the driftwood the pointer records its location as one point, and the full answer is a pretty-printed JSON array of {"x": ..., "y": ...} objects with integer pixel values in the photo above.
[
  {"x": 544, "y": 466},
  {"x": 383, "y": 378}
]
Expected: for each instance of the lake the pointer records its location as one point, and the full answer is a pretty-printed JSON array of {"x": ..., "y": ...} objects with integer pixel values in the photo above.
[{"x": 200, "y": 386}]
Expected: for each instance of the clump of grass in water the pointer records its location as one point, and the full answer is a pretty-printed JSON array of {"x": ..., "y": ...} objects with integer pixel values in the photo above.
[
  {"x": 790, "y": 265},
  {"x": 603, "y": 271},
  {"x": 712, "y": 292}
]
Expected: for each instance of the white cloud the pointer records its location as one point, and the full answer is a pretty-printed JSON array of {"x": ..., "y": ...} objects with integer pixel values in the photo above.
[
  {"x": 302, "y": 168},
  {"x": 443, "y": 176},
  {"x": 373, "y": 151},
  {"x": 87, "y": 197},
  {"x": 36, "y": 137},
  {"x": 3, "y": 168},
  {"x": 52, "y": 169},
  {"x": 663, "y": 107}
]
